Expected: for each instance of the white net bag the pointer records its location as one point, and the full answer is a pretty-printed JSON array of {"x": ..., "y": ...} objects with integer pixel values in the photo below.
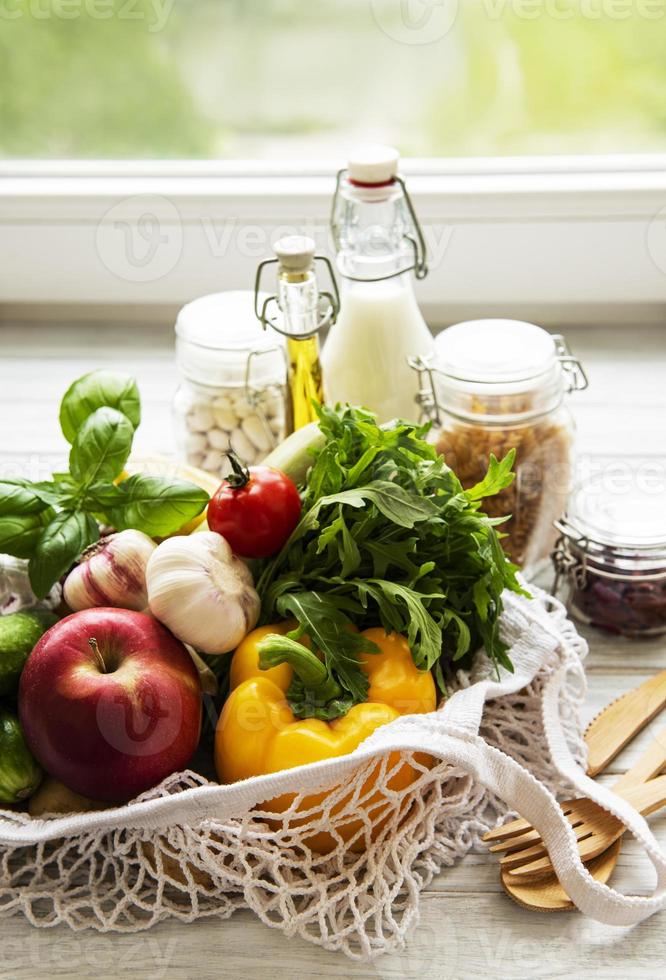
[{"x": 342, "y": 860}]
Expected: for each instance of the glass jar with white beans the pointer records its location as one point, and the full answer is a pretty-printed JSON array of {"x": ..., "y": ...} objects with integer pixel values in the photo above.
[{"x": 233, "y": 383}]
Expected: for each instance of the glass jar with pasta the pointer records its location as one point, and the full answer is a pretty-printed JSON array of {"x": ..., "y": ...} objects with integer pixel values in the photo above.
[{"x": 496, "y": 385}]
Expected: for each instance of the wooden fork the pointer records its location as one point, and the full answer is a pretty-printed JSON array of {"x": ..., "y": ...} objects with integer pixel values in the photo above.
[
  {"x": 595, "y": 832},
  {"x": 526, "y": 857}
]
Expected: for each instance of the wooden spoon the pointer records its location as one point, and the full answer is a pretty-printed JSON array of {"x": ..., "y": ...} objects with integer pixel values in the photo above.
[
  {"x": 548, "y": 895},
  {"x": 606, "y": 736}
]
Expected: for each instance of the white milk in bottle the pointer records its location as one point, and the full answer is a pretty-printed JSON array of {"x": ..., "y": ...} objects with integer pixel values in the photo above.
[{"x": 379, "y": 244}]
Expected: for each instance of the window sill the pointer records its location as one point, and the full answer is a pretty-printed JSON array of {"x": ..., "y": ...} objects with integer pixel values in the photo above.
[{"x": 558, "y": 239}]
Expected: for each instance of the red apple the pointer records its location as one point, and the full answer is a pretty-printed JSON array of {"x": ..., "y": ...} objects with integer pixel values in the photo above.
[{"x": 110, "y": 703}]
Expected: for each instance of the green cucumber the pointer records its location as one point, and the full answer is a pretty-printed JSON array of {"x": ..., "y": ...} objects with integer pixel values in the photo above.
[
  {"x": 19, "y": 773},
  {"x": 18, "y": 634},
  {"x": 292, "y": 456}
]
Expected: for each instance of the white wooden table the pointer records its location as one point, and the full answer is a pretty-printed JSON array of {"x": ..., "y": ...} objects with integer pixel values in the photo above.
[{"x": 469, "y": 928}]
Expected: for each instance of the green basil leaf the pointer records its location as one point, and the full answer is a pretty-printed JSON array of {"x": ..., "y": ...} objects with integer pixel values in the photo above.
[
  {"x": 52, "y": 492},
  {"x": 58, "y": 547},
  {"x": 101, "y": 447},
  {"x": 151, "y": 504},
  {"x": 102, "y": 497},
  {"x": 18, "y": 497},
  {"x": 19, "y": 534},
  {"x": 98, "y": 389}
]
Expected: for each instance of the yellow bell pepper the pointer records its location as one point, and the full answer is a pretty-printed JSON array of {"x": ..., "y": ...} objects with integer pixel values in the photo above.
[{"x": 258, "y": 733}]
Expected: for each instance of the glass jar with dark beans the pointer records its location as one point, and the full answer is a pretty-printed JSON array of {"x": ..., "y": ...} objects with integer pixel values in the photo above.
[{"x": 611, "y": 557}]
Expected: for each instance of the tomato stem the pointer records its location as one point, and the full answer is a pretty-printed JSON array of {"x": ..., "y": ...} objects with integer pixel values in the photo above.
[{"x": 241, "y": 475}]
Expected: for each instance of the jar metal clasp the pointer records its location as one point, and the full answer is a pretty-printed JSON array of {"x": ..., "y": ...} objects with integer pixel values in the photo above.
[
  {"x": 567, "y": 565},
  {"x": 576, "y": 377},
  {"x": 415, "y": 238},
  {"x": 329, "y": 302},
  {"x": 426, "y": 397},
  {"x": 254, "y": 393}
]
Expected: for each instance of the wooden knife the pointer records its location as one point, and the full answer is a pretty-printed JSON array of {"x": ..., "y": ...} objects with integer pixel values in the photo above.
[{"x": 616, "y": 725}]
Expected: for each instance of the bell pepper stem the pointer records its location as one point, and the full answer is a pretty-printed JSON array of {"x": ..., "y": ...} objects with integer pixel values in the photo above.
[{"x": 275, "y": 649}]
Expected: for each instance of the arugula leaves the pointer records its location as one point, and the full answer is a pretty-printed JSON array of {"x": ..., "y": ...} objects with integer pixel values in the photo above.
[
  {"x": 499, "y": 476},
  {"x": 388, "y": 535},
  {"x": 52, "y": 522}
]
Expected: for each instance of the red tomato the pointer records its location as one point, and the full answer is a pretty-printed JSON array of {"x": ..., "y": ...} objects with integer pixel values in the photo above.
[{"x": 255, "y": 509}]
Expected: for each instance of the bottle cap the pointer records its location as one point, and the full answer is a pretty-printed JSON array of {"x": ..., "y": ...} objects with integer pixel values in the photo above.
[
  {"x": 373, "y": 164},
  {"x": 295, "y": 252}
]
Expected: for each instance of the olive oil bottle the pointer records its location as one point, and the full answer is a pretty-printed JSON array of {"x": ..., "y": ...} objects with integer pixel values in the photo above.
[{"x": 299, "y": 310}]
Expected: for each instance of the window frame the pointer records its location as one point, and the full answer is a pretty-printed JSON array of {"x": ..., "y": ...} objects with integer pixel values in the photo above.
[{"x": 556, "y": 239}]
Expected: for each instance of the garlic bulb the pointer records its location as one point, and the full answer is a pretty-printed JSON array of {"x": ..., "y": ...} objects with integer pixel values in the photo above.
[
  {"x": 15, "y": 589},
  {"x": 111, "y": 572},
  {"x": 202, "y": 592}
]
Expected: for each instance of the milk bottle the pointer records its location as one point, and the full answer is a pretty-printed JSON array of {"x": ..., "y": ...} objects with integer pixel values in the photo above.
[{"x": 379, "y": 244}]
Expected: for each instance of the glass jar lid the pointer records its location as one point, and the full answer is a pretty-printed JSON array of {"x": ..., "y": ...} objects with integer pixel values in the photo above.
[
  {"x": 617, "y": 533},
  {"x": 631, "y": 520},
  {"x": 495, "y": 351},
  {"x": 220, "y": 342},
  {"x": 497, "y": 372}
]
